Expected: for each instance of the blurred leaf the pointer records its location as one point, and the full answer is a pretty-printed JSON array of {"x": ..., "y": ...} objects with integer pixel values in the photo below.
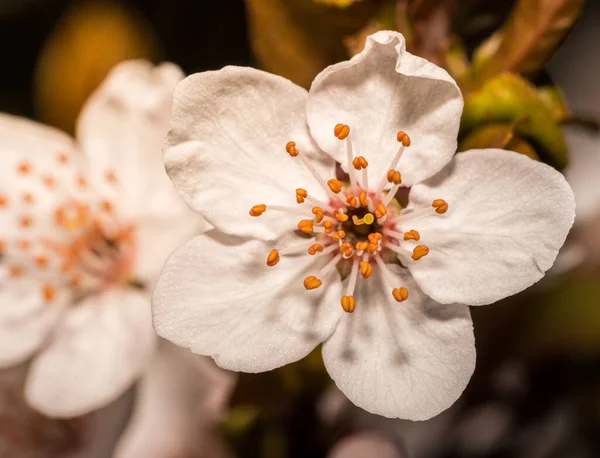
[
  {"x": 509, "y": 98},
  {"x": 88, "y": 41},
  {"x": 497, "y": 136},
  {"x": 432, "y": 21},
  {"x": 240, "y": 419},
  {"x": 388, "y": 17},
  {"x": 337, "y": 3},
  {"x": 528, "y": 39},
  {"x": 457, "y": 62},
  {"x": 555, "y": 100},
  {"x": 298, "y": 38}
]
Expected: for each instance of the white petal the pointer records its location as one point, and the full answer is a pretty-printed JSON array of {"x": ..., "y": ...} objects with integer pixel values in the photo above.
[
  {"x": 100, "y": 348},
  {"x": 226, "y": 149},
  {"x": 366, "y": 444},
  {"x": 220, "y": 299},
  {"x": 508, "y": 217},
  {"x": 25, "y": 319},
  {"x": 179, "y": 400},
  {"x": 379, "y": 92},
  {"x": 407, "y": 360}
]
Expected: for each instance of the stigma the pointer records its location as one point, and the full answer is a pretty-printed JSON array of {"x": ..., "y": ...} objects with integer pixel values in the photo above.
[{"x": 362, "y": 227}]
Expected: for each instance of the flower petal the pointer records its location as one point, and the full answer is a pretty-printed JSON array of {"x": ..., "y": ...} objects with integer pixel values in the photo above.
[
  {"x": 226, "y": 149},
  {"x": 379, "y": 92},
  {"x": 96, "y": 353},
  {"x": 218, "y": 297},
  {"x": 407, "y": 360},
  {"x": 179, "y": 401},
  {"x": 508, "y": 217}
]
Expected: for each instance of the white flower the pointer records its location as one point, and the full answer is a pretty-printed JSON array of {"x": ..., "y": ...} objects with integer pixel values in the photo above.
[
  {"x": 85, "y": 227},
  {"x": 479, "y": 226}
]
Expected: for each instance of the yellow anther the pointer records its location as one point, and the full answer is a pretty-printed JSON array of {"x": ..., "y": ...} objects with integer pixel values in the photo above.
[
  {"x": 306, "y": 226},
  {"x": 366, "y": 269},
  {"x": 368, "y": 218},
  {"x": 49, "y": 293},
  {"x": 361, "y": 246},
  {"x": 362, "y": 197},
  {"x": 339, "y": 235},
  {"x": 360, "y": 163},
  {"x": 393, "y": 176},
  {"x": 412, "y": 235},
  {"x": 316, "y": 210},
  {"x": 315, "y": 248},
  {"x": 312, "y": 282},
  {"x": 290, "y": 147},
  {"x": 335, "y": 185},
  {"x": 346, "y": 249},
  {"x": 400, "y": 294},
  {"x": 419, "y": 252},
  {"x": 258, "y": 210},
  {"x": 328, "y": 225},
  {"x": 380, "y": 211},
  {"x": 301, "y": 194},
  {"x": 341, "y": 217},
  {"x": 372, "y": 247},
  {"x": 403, "y": 138},
  {"x": 440, "y": 206},
  {"x": 351, "y": 200},
  {"x": 348, "y": 304},
  {"x": 341, "y": 131},
  {"x": 273, "y": 258}
]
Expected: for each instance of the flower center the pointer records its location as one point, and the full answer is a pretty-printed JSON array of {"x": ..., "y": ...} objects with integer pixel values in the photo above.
[{"x": 360, "y": 227}]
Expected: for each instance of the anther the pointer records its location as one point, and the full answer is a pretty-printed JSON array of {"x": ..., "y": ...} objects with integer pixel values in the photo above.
[
  {"x": 400, "y": 294},
  {"x": 341, "y": 217},
  {"x": 339, "y": 235},
  {"x": 49, "y": 181},
  {"x": 258, "y": 210},
  {"x": 49, "y": 293},
  {"x": 440, "y": 206},
  {"x": 3, "y": 202},
  {"x": 15, "y": 271},
  {"x": 301, "y": 195},
  {"x": 374, "y": 237},
  {"x": 412, "y": 235},
  {"x": 360, "y": 163},
  {"x": 348, "y": 303},
  {"x": 290, "y": 147},
  {"x": 28, "y": 198},
  {"x": 334, "y": 185},
  {"x": 25, "y": 222},
  {"x": 63, "y": 158},
  {"x": 273, "y": 258},
  {"x": 403, "y": 138},
  {"x": 24, "y": 245},
  {"x": 380, "y": 211},
  {"x": 306, "y": 226},
  {"x": 110, "y": 176},
  {"x": 82, "y": 182},
  {"x": 312, "y": 282},
  {"x": 328, "y": 226},
  {"x": 393, "y": 176},
  {"x": 341, "y": 131},
  {"x": 366, "y": 269},
  {"x": 24, "y": 168},
  {"x": 362, "y": 197},
  {"x": 346, "y": 249},
  {"x": 41, "y": 261},
  {"x": 319, "y": 214},
  {"x": 361, "y": 246},
  {"x": 351, "y": 200},
  {"x": 419, "y": 252},
  {"x": 315, "y": 248}
]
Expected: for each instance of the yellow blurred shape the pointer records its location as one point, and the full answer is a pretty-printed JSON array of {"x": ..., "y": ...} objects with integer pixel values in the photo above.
[
  {"x": 338, "y": 3},
  {"x": 87, "y": 42}
]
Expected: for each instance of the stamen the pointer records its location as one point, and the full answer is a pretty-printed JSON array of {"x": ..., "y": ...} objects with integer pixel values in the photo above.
[
  {"x": 24, "y": 168},
  {"x": 412, "y": 235},
  {"x": 301, "y": 195},
  {"x": 63, "y": 158},
  {"x": 312, "y": 282},
  {"x": 328, "y": 225},
  {"x": 106, "y": 206},
  {"x": 273, "y": 258},
  {"x": 404, "y": 141},
  {"x": 380, "y": 211},
  {"x": 440, "y": 206},
  {"x": 110, "y": 176},
  {"x": 49, "y": 293},
  {"x": 352, "y": 200},
  {"x": 361, "y": 246},
  {"x": 341, "y": 131},
  {"x": 25, "y": 222},
  {"x": 315, "y": 248},
  {"x": 3, "y": 202},
  {"x": 346, "y": 249},
  {"x": 360, "y": 163},
  {"x": 339, "y": 235},
  {"x": 340, "y": 216},
  {"x": 362, "y": 197},
  {"x": 296, "y": 248},
  {"x": 366, "y": 269},
  {"x": 306, "y": 226},
  {"x": 319, "y": 214},
  {"x": 334, "y": 185},
  {"x": 41, "y": 261},
  {"x": 400, "y": 294},
  {"x": 290, "y": 147},
  {"x": 16, "y": 271},
  {"x": 348, "y": 303},
  {"x": 349, "y": 151},
  {"x": 419, "y": 252},
  {"x": 49, "y": 181},
  {"x": 28, "y": 198},
  {"x": 393, "y": 176}
]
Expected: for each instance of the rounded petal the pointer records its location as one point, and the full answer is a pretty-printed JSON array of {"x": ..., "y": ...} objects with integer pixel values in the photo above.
[
  {"x": 408, "y": 360},
  {"x": 26, "y": 320},
  {"x": 179, "y": 399},
  {"x": 379, "y": 92},
  {"x": 218, "y": 297},
  {"x": 226, "y": 150},
  {"x": 366, "y": 444},
  {"x": 96, "y": 353},
  {"x": 508, "y": 216}
]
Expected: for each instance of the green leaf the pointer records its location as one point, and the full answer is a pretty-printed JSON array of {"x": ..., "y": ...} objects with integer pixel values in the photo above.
[
  {"x": 528, "y": 39},
  {"x": 556, "y": 102},
  {"x": 510, "y": 99},
  {"x": 501, "y": 136}
]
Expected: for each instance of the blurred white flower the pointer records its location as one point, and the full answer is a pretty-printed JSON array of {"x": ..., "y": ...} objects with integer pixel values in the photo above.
[
  {"x": 479, "y": 226},
  {"x": 86, "y": 225}
]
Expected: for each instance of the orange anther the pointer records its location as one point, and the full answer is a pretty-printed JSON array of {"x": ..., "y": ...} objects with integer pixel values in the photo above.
[
  {"x": 362, "y": 197},
  {"x": 412, "y": 235},
  {"x": 361, "y": 246},
  {"x": 110, "y": 176},
  {"x": 63, "y": 158},
  {"x": 49, "y": 293},
  {"x": 312, "y": 282},
  {"x": 374, "y": 237},
  {"x": 360, "y": 163},
  {"x": 24, "y": 168},
  {"x": 403, "y": 138},
  {"x": 273, "y": 258},
  {"x": 372, "y": 247},
  {"x": 339, "y": 235},
  {"x": 419, "y": 252},
  {"x": 27, "y": 198},
  {"x": 41, "y": 261},
  {"x": 366, "y": 269},
  {"x": 315, "y": 248},
  {"x": 328, "y": 226},
  {"x": 440, "y": 206},
  {"x": 400, "y": 294},
  {"x": 3, "y": 202},
  {"x": 49, "y": 181},
  {"x": 301, "y": 194},
  {"x": 82, "y": 182},
  {"x": 319, "y": 214},
  {"x": 341, "y": 131},
  {"x": 25, "y": 221},
  {"x": 258, "y": 210},
  {"x": 351, "y": 200},
  {"x": 290, "y": 147},
  {"x": 346, "y": 249},
  {"x": 341, "y": 217},
  {"x": 2, "y": 246},
  {"x": 16, "y": 271},
  {"x": 380, "y": 211},
  {"x": 393, "y": 176},
  {"x": 24, "y": 245},
  {"x": 348, "y": 303},
  {"x": 334, "y": 185},
  {"x": 306, "y": 226}
]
